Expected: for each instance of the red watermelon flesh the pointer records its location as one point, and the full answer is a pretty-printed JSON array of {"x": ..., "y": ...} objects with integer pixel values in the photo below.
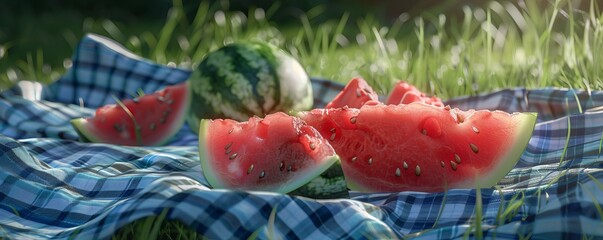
[
  {"x": 355, "y": 94},
  {"x": 420, "y": 147},
  {"x": 148, "y": 120},
  {"x": 405, "y": 93},
  {"x": 279, "y": 153}
]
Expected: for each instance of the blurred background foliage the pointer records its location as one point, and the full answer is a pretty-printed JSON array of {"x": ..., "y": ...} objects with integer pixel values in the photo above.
[
  {"x": 407, "y": 38},
  {"x": 56, "y": 25}
]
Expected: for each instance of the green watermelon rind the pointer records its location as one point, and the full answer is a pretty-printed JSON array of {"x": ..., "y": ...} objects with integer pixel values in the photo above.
[
  {"x": 277, "y": 81},
  {"x": 520, "y": 141},
  {"x": 80, "y": 126},
  {"x": 328, "y": 185},
  {"x": 214, "y": 179}
]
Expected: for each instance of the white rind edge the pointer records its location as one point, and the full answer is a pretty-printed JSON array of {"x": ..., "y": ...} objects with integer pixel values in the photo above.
[{"x": 204, "y": 157}]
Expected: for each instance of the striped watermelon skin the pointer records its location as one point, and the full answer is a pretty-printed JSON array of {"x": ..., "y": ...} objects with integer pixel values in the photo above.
[{"x": 247, "y": 79}]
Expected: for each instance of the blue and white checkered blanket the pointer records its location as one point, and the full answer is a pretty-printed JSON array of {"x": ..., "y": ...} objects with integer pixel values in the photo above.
[{"x": 52, "y": 186}]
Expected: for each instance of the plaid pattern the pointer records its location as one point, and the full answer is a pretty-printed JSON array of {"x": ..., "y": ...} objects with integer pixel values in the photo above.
[
  {"x": 54, "y": 187},
  {"x": 102, "y": 69},
  {"x": 549, "y": 103}
]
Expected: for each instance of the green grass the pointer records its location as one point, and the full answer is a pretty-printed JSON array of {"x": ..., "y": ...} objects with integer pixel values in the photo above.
[
  {"x": 479, "y": 50},
  {"x": 156, "y": 227},
  {"x": 482, "y": 49}
]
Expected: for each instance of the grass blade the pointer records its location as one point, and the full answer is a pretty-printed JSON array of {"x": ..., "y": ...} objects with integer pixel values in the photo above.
[
  {"x": 499, "y": 219},
  {"x": 174, "y": 16},
  {"x": 137, "y": 128},
  {"x": 511, "y": 210},
  {"x": 479, "y": 234},
  {"x": 271, "y": 220},
  {"x": 270, "y": 227},
  {"x": 567, "y": 139},
  {"x": 156, "y": 226},
  {"x": 599, "y": 184},
  {"x": 338, "y": 31},
  {"x": 435, "y": 223},
  {"x": 592, "y": 197}
]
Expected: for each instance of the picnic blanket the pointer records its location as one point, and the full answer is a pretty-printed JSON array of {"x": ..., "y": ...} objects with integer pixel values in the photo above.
[{"x": 52, "y": 186}]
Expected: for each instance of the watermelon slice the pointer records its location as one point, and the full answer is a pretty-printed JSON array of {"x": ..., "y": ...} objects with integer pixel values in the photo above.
[
  {"x": 143, "y": 121},
  {"x": 355, "y": 94},
  {"x": 405, "y": 93},
  {"x": 279, "y": 153},
  {"x": 421, "y": 147}
]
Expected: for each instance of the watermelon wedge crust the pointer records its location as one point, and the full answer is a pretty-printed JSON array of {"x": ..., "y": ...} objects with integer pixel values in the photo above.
[
  {"x": 420, "y": 147},
  {"x": 149, "y": 120},
  {"x": 278, "y": 153},
  {"x": 355, "y": 94},
  {"x": 405, "y": 93}
]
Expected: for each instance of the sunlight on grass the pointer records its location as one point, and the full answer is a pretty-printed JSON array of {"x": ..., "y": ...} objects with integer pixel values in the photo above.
[{"x": 500, "y": 45}]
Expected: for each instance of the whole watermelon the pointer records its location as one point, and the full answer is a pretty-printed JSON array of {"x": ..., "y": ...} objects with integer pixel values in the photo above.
[{"x": 247, "y": 79}]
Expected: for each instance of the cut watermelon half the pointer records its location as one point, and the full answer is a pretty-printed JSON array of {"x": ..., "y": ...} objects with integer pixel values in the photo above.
[
  {"x": 355, "y": 94},
  {"x": 244, "y": 79},
  {"x": 278, "y": 153},
  {"x": 147, "y": 120},
  {"x": 421, "y": 147}
]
